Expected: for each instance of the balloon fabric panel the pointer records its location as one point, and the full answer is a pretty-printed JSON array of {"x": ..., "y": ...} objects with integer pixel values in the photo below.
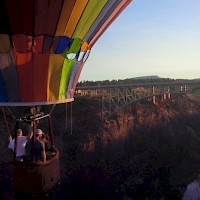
[
  {"x": 70, "y": 92},
  {"x": 103, "y": 16},
  {"x": 25, "y": 72},
  {"x": 9, "y": 74},
  {"x": 33, "y": 77},
  {"x": 75, "y": 17},
  {"x": 22, "y": 12},
  {"x": 48, "y": 43},
  {"x": 2, "y": 90},
  {"x": 38, "y": 44},
  {"x": 4, "y": 43},
  {"x": 4, "y": 22},
  {"x": 76, "y": 71},
  {"x": 54, "y": 75},
  {"x": 64, "y": 16},
  {"x": 63, "y": 44},
  {"x": 113, "y": 16},
  {"x": 90, "y": 13},
  {"x": 41, "y": 61},
  {"x": 75, "y": 47},
  {"x": 47, "y": 14},
  {"x": 20, "y": 42},
  {"x": 65, "y": 76},
  {"x": 77, "y": 76},
  {"x": 84, "y": 47}
]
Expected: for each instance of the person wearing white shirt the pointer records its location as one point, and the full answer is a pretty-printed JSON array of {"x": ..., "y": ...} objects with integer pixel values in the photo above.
[{"x": 21, "y": 142}]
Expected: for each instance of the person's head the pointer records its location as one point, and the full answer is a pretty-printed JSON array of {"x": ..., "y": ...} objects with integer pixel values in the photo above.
[
  {"x": 19, "y": 132},
  {"x": 38, "y": 133},
  {"x": 44, "y": 138}
]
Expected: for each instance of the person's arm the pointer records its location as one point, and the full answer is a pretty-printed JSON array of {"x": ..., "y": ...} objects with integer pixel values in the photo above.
[
  {"x": 44, "y": 156},
  {"x": 11, "y": 144},
  {"x": 26, "y": 149},
  {"x": 43, "y": 151}
]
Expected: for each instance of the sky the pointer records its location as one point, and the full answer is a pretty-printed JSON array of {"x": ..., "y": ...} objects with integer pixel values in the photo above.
[{"x": 150, "y": 37}]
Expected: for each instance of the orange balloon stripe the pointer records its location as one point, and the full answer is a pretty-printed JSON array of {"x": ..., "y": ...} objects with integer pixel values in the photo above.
[
  {"x": 84, "y": 46},
  {"x": 75, "y": 17},
  {"x": 64, "y": 17}
]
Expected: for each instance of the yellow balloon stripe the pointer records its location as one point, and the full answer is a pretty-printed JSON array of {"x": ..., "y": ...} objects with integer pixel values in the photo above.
[
  {"x": 75, "y": 47},
  {"x": 90, "y": 13},
  {"x": 75, "y": 17},
  {"x": 65, "y": 76},
  {"x": 54, "y": 75}
]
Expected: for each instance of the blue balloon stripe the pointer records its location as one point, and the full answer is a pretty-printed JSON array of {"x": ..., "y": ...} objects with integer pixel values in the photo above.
[
  {"x": 2, "y": 90},
  {"x": 63, "y": 44}
]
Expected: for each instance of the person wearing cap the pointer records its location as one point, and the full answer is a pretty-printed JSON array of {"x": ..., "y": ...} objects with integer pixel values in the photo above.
[
  {"x": 20, "y": 147},
  {"x": 37, "y": 154}
]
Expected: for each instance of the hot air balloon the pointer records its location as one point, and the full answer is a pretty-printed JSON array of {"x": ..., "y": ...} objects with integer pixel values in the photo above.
[{"x": 43, "y": 47}]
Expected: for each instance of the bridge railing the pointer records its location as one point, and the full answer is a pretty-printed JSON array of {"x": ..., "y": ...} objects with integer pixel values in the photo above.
[{"x": 115, "y": 97}]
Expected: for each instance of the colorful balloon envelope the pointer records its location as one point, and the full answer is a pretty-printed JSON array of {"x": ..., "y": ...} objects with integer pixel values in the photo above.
[{"x": 44, "y": 45}]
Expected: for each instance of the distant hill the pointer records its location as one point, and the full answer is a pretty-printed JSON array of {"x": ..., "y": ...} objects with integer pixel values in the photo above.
[
  {"x": 141, "y": 79},
  {"x": 146, "y": 77},
  {"x": 196, "y": 79}
]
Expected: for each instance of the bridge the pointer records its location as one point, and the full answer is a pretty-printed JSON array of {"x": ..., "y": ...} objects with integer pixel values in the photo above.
[{"x": 115, "y": 97}]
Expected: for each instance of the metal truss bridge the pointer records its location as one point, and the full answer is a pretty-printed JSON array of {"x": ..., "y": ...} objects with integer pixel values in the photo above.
[{"x": 115, "y": 97}]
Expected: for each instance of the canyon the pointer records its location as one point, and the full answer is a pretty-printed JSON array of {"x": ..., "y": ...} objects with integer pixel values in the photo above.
[{"x": 145, "y": 151}]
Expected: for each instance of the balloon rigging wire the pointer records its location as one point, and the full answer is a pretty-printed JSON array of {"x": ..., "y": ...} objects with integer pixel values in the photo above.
[
  {"x": 71, "y": 118},
  {"x": 71, "y": 115},
  {"x": 66, "y": 118},
  {"x": 6, "y": 121},
  {"x": 11, "y": 113},
  {"x": 54, "y": 105}
]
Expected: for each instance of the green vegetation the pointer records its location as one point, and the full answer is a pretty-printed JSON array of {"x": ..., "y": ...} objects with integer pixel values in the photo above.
[{"x": 128, "y": 81}]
